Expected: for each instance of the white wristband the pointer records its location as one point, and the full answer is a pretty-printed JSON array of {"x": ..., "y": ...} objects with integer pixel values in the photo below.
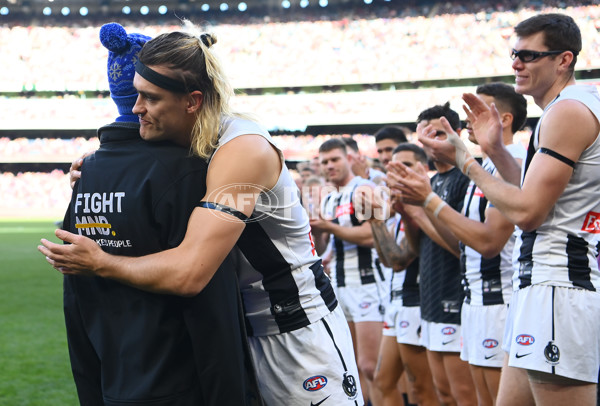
[
  {"x": 439, "y": 208},
  {"x": 430, "y": 196}
]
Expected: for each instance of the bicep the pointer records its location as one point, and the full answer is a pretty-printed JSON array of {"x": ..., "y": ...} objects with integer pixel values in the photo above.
[
  {"x": 240, "y": 170},
  {"x": 210, "y": 236},
  {"x": 544, "y": 182}
]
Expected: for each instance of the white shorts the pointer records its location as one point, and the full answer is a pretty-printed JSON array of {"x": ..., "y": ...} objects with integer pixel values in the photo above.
[
  {"x": 390, "y": 316},
  {"x": 408, "y": 325},
  {"x": 441, "y": 337},
  {"x": 482, "y": 330},
  {"x": 555, "y": 330},
  {"x": 361, "y": 303},
  {"x": 308, "y": 365}
]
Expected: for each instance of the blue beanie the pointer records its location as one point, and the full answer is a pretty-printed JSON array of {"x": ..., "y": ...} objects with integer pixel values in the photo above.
[{"x": 123, "y": 52}]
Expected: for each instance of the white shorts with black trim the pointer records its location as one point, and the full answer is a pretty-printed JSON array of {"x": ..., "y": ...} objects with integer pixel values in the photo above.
[
  {"x": 311, "y": 365},
  {"x": 441, "y": 337},
  {"x": 482, "y": 329},
  {"x": 362, "y": 303},
  {"x": 556, "y": 330}
]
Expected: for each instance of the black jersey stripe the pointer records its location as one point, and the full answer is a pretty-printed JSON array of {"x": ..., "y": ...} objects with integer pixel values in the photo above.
[
  {"x": 577, "y": 262},
  {"x": 322, "y": 283},
  {"x": 463, "y": 268},
  {"x": 526, "y": 258},
  {"x": 491, "y": 281},
  {"x": 410, "y": 288},
  {"x": 278, "y": 281},
  {"x": 338, "y": 245}
]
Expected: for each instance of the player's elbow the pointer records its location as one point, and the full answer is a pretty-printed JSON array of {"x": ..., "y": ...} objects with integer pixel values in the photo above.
[
  {"x": 490, "y": 250},
  {"x": 188, "y": 281},
  {"x": 189, "y": 287},
  {"x": 530, "y": 222},
  {"x": 367, "y": 242}
]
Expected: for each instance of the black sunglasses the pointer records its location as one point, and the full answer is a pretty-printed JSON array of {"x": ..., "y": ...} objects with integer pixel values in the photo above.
[{"x": 526, "y": 55}]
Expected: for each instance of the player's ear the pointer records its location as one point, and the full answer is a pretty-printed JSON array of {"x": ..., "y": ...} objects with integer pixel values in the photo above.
[
  {"x": 506, "y": 119},
  {"x": 195, "y": 101}
]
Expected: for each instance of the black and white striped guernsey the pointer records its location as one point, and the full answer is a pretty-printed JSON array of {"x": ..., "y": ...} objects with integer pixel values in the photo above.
[
  {"x": 487, "y": 280},
  {"x": 282, "y": 281},
  {"x": 352, "y": 264},
  {"x": 563, "y": 250}
]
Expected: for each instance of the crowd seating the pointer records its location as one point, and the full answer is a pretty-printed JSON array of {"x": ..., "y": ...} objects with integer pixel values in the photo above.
[
  {"x": 302, "y": 53},
  {"x": 277, "y": 111}
]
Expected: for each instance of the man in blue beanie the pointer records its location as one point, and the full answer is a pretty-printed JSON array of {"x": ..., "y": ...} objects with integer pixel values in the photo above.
[{"x": 128, "y": 346}]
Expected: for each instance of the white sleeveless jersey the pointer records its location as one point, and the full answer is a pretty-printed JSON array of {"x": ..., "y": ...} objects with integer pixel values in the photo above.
[
  {"x": 352, "y": 264},
  {"x": 488, "y": 281},
  {"x": 281, "y": 278},
  {"x": 563, "y": 250}
]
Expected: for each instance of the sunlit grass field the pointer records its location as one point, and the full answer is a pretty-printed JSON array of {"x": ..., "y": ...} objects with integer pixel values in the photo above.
[{"x": 34, "y": 361}]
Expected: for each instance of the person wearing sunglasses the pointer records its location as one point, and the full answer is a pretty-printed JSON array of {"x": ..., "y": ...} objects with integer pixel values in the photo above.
[{"x": 552, "y": 334}]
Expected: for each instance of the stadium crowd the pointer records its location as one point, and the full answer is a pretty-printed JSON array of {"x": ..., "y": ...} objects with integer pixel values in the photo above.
[
  {"x": 276, "y": 111},
  {"x": 457, "y": 42},
  {"x": 358, "y": 51}
]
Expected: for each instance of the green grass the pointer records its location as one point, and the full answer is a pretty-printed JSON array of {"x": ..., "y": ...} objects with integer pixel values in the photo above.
[{"x": 34, "y": 360}]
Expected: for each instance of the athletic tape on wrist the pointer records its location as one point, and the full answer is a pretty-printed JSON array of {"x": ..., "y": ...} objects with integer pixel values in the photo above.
[
  {"x": 468, "y": 163},
  {"x": 430, "y": 196},
  {"x": 439, "y": 208}
]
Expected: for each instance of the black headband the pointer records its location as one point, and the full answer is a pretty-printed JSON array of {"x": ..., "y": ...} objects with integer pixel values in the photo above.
[{"x": 160, "y": 80}]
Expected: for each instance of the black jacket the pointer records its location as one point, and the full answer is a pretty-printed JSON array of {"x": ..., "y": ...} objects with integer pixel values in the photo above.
[{"x": 128, "y": 346}]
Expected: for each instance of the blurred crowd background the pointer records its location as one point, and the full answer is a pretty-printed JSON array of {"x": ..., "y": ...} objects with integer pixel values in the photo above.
[{"x": 307, "y": 75}]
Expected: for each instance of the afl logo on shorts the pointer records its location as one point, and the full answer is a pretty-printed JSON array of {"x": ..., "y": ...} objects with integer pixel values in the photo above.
[
  {"x": 315, "y": 383},
  {"x": 525, "y": 339},
  {"x": 490, "y": 343},
  {"x": 404, "y": 324},
  {"x": 552, "y": 353},
  {"x": 364, "y": 305},
  {"x": 448, "y": 331}
]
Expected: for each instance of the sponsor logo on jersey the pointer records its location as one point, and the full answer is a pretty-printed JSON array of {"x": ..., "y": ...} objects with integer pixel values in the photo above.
[
  {"x": 525, "y": 339},
  {"x": 490, "y": 343},
  {"x": 315, "y": 383},
  {"x": 404, "y": 324},
  {"x": 591, "y": 224},
  {"x": 448, "y": 331},
  {"x": 344, "y": 209}
]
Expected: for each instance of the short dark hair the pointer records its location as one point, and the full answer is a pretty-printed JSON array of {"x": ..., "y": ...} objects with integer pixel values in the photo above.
[
  {"x": 350, "y": 143},
  {"x": 391, "y": 132},
  {"x": 561, "y": 32},
  {"x": 414, "y": 148},
  {"x": 438, "y": 111},
  {"x": 331, "y": 144},
  {"x": 507, "y": 100}
]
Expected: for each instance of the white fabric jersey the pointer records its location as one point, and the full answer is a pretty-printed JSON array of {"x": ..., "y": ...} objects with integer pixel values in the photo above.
[
  {"x": 487, "y": 280},
  {"x": 281, "y": 278},
  {"x": 563, "y": 250},
  {"x": 352, "y": 264},
  {"x": 376, "y": 175}
]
